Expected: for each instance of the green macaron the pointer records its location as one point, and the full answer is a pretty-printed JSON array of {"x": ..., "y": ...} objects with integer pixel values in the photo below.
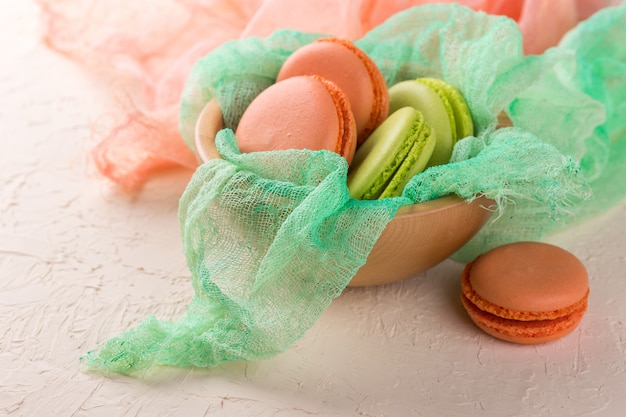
[
  {"x": 462, "y": 116},
  {"x": 444, "y": 110},
  {"x": 398, "y": 149}
]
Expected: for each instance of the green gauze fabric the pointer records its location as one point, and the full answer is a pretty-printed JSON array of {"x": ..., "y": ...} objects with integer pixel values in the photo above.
[
  {"x": 579, "y": 106},
  {"x": 272, "y": 237}
]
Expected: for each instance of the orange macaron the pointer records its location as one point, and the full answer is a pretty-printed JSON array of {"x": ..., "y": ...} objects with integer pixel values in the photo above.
[
  {"x": 526, "y": 292},
  {"x": 343, "y": 63},
  {"x": 303, "y": 112}
]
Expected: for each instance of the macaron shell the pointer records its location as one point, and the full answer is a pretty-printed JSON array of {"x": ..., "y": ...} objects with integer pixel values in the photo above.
[
  {"x": 379, "y": 157},
  {"x": 462, "y": 116},
  {"x": 416, "y": 160},
  {"x": 529, "y": 277},
  {"x": 352, "y": 70},
  {"x": 426, "y": 100},
  {"x": 298, "y": 113}
]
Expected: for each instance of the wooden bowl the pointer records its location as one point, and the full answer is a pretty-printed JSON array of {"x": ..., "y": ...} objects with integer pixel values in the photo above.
[{"x": 419, "y": 237}]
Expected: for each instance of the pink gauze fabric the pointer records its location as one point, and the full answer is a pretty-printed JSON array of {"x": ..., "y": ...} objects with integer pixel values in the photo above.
[{"x": 149, "y": 46}]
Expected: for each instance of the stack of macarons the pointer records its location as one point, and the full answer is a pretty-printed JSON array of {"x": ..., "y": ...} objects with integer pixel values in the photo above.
[{"x": 329, "y": 95}]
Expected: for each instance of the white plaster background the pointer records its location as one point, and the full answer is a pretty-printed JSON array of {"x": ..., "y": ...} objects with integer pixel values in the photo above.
[{"x": 80, "y": 263}]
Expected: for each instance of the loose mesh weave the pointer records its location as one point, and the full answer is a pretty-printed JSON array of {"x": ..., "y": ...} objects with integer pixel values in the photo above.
[{"x": 272, "y": 237}]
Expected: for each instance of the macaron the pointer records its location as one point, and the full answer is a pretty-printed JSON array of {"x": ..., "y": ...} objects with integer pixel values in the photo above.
[
  {"x": 443, "y": 107},
  {"x": 398, "y": 149},
  {"x": 462, "y": 117},
  {"x": 343, "y": 63},
  {"x": 302, "y": 112},
  {"x": 526, "y": 292}
]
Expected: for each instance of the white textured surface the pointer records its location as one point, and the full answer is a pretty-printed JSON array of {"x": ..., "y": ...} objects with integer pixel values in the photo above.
[{"x": 80, "y": 263}]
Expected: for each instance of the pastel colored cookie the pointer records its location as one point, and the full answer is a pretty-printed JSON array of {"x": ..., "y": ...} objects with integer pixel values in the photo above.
[
  {"x": 443, "y": 108},
  {"x": 398, "y": 149},
  {"x": 526, "y": 292},
  {"x": 341, "y": 62},
  {"x": 303, "y": 112},
  {"x": 462, "y": 117}
]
